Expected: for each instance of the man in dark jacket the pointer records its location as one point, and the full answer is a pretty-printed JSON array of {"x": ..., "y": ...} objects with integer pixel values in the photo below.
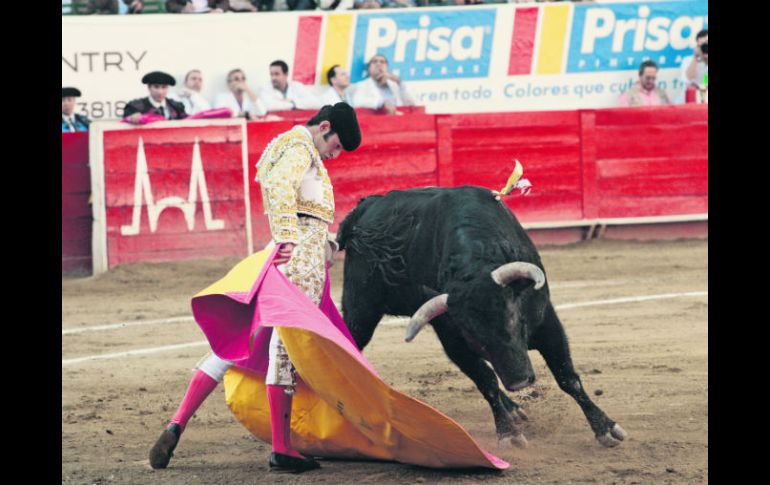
[
  {"x": 71, "y": 121},
  {"x": 157, "y": 83}
]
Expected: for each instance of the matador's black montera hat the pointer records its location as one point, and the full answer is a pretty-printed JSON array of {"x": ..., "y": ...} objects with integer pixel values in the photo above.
[{"x": 344, "y": 122}]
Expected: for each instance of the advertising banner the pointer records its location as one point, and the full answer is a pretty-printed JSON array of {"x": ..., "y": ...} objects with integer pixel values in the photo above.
[
  {"x": 521, "y": 57},
  {"x": 169, "y": 193}
]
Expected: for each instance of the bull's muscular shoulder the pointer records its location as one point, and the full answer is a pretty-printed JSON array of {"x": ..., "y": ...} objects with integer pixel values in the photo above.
[{"x": 461, "y": 196}]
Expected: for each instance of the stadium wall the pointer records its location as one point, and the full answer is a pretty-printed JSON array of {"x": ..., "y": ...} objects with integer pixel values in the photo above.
[
  {"x": 76, "y": 216},
  {"x": 471, "y": 59},
  {"x": 186, "y": 189}
]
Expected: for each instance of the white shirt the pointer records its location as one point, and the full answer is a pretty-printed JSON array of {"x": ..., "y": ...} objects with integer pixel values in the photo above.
[
  {"x": 275, "y": 100},
  {"x": 332, "y": 97},
  {"x": 200, "y": 5},
  {"x": 227, "y": 100},
  {"x": 701, "y": 69},
  {"x": 194, "y": 103},
  {"x": 163, "y": 105},
  {"x": 367, "y": 94}
]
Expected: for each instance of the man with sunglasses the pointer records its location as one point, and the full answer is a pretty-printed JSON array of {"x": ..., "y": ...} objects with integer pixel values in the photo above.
[{"x": 645, "y": 92}]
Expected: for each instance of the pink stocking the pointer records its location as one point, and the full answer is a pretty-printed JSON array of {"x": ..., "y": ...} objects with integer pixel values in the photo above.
[
  {"x": 199, "y": 389},
  {"x": 280, "y": 420}
]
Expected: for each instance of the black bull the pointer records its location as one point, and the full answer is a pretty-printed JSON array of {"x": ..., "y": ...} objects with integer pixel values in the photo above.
[{"x": 432, "y": 253}]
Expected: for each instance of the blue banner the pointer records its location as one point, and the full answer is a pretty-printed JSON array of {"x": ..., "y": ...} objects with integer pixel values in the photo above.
[
  {"x": 616, "y": 37},
  {"x": 444, "y": 44}
]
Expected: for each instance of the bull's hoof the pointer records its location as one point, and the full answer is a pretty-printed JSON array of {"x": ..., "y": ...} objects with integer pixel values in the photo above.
[
  {"x": 518, "y": 440},
  {"x": 516, "y": 412},
  {"x": 519, "y": 415},
  {"x": 613, "y": 437}
]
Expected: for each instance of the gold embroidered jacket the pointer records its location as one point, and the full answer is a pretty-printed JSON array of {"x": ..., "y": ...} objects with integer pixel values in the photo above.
[{"x": 294, "y": 181}]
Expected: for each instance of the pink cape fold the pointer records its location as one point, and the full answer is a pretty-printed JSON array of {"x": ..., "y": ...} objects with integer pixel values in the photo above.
[
  {"x": 212, "y": 113},
  {"x": 146, "y": 118},
  {"x": 238, "y": 325}
]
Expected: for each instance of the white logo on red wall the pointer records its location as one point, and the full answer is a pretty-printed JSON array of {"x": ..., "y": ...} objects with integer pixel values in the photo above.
[{"x": 143, "y": 193}]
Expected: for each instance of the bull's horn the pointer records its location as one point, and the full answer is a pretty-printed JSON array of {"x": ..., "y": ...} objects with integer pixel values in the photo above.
[
  {"x": 511, "y": 271},
  {"x": 427, "y": 312}
]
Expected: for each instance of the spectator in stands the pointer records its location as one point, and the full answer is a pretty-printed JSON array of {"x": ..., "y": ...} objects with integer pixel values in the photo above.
[
  {"x": 241, "y": 99},
  {"x": 335, "y": 4},
  {"x": 157, "y": 102},
  {"x": 251, "y": 5},
  {"x": 286, "y": 95},
  {"x": 381, "y": 89},
  {"x": 370, "y": 4},
  {"x": 301, "y": 5},
  {"x": 134, "y": 6},
  {"x": 695, "y": 68},
  {"x": 95, "y": 6},
  {"x": 645, "y": 92},
  {"x": 339, "y": 81},
  {"x": 190, "y": 94},
  {"x": 71, "y": 121},
  {"x": 197, "y": 6}
]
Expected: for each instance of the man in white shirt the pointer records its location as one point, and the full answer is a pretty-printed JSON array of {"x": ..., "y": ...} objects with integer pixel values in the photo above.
[
  {"x": 190, "y": 94},
  {"x": 381, "y": 89},
  {"x": 339, "y": 80},
  {"x": 286, "y": 95},
  {"x": 695, "y": 68},
  {"x": 241, "y": 99}
]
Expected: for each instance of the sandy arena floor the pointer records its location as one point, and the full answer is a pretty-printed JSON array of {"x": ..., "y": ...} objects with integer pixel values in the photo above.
[{"x": 649, "y": 357}]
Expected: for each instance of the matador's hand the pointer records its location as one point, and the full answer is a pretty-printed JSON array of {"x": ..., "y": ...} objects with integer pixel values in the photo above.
[
  {"x": 284, "y": 254},
  {"x": 330, "y": 252}
]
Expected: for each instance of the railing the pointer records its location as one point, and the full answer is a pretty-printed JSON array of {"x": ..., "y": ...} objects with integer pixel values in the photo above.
[{"x": 593, "y": 171}]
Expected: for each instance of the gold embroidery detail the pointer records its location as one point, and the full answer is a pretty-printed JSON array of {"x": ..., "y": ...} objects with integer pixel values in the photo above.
[{"x": 281, "y": 184}]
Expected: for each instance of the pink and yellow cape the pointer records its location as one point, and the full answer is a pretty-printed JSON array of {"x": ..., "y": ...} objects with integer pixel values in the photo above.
[{"x": 342, "y": 408}]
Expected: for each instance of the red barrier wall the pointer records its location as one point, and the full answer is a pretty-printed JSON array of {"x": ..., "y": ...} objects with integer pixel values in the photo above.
[
  {"x": 174, "y": 193},
  {"x": 651, "y": 161},
  {"x": 389, "y": 158},
  {"x": 585, "y": 166},
  {"x": 75, "y": 208},
  {"x": 481, "y": 148}
]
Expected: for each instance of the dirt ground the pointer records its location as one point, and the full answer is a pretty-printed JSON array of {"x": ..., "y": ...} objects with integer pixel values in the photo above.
[{"x": 648, "y": 358}]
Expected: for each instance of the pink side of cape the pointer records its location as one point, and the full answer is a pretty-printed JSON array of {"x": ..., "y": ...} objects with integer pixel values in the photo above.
[
  {"x": 212, "y": 113},
  {"x": 229, "y": 322},
  {"x": 239, "y": 325}
]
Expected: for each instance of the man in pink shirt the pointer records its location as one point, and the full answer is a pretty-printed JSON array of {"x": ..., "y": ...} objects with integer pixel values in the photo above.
[{"x": 644, "y": 92}]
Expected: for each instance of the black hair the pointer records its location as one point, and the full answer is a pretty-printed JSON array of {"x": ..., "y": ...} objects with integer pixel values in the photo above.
[
  {"x": 324, "y": 114},
  {"x": 331, "y": 73},
  {"x": 342, "y": 121},
  {"x": 644, "y": 65},
  {"x": 702, "y": 33},
  {"x": 284, "y": 67}
]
